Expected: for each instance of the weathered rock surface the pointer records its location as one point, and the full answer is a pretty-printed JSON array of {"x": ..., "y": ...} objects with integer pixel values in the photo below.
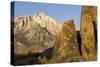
[
  {"x": 92, "y": 11},
  {"x": 66, "y": 45},
  {"x": 88, "y": 30},
  {"x": 33, "y": 34},
  {"x": 39, "y": 18}
]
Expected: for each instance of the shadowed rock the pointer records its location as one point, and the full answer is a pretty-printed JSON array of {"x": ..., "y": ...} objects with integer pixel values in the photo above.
[{"x": 79, "y": 41}]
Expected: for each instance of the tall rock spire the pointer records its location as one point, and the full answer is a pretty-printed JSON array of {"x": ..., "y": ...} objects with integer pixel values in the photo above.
[
  {"x": 66, "y": 45},
  {"x": 88, "y": 30}
]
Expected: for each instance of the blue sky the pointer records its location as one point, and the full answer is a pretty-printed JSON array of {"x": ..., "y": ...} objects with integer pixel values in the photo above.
[{"x": 59, "y": 12}]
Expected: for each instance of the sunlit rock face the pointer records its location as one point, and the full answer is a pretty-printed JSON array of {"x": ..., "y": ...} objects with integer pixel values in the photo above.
[
  {"x": 33, "y": 34},
  {"x": 88, "y": 31},
  {"x": 66, "y": 45}
]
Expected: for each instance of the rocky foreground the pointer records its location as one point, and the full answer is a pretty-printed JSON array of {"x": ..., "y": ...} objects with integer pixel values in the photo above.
[{"x": 39, "y": 39}]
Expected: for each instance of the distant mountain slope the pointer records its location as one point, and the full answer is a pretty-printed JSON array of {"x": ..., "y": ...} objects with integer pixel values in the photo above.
[{"x": 34, "y": 33}]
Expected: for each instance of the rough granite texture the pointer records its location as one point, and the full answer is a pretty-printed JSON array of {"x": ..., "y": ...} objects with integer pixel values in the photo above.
[
  {"x": 66, "y": 44},
  {"x": 88, "y": 30}
]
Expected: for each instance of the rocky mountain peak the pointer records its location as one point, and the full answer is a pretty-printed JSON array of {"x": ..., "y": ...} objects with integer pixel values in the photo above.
[
  {"x": 37, "y": 30},
  {"x": 39, "y": 14},
  {"x": 40, "y": 19}
]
